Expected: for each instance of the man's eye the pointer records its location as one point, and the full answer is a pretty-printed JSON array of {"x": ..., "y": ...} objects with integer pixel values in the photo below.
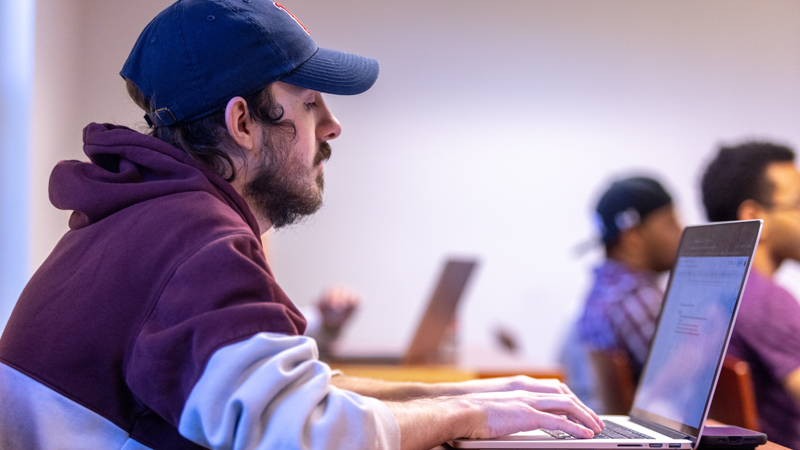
[{"x": 311, "y": 105}]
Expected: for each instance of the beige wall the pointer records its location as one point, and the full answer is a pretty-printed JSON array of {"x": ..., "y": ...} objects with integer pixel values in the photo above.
[
  {"x": 80, "y": 48},
  {"x": 56, "y": 103},
  {"x": 488, "y": 132}
]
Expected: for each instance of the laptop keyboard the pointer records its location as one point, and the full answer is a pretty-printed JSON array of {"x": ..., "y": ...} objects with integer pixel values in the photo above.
[{"x": 612, "y": 431}]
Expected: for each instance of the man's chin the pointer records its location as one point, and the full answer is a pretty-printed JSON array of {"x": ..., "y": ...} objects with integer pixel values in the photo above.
[
  {"x": 320, "y": 184},
  {"x": 285, "y": 203},
  {"x": 290, "y": 213}
]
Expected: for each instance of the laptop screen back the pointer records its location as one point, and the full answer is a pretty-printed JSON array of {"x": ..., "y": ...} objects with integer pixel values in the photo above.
[
  {"x": 440, "y": 312},
  {"x": 694, "y": 327}
]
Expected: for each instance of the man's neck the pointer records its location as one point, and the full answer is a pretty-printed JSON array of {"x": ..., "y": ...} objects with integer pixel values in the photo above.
[
  {"x": 765, "y": 262},
  {"x": 263, "y": 223},
  {"x": 238, "y": 184},
  {"x": 633, "y": 262}
]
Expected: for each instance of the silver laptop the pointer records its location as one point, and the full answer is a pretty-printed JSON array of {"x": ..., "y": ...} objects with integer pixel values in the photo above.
[
  {"x": 679, "y": 377},
  {"x": 440, "y": 312}
]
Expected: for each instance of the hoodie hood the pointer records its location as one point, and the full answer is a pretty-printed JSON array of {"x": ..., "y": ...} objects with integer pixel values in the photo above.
[{"x": 126, "y": 168}]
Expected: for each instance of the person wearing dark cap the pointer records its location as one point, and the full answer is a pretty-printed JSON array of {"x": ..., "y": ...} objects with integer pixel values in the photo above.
[
  {"x": 640, "y": 231},
  {"x": 760, "y": 180},
  {"x": 156, "y": 321}
]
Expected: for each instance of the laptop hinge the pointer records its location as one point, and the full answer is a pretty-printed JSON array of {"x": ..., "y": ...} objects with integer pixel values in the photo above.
[{"x": 664, "y": 430}]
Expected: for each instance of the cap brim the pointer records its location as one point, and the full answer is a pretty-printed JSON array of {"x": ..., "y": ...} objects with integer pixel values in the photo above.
[{"x": 335, "y": 72}]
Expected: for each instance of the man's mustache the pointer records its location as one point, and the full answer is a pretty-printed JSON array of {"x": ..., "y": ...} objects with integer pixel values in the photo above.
[{"x": 323, "y": 153}]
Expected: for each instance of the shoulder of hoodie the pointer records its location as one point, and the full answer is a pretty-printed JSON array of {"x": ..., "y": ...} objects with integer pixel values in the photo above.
[{"x": 191, "y": 218}]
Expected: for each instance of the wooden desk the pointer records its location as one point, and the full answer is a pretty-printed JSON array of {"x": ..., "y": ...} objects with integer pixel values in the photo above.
[
  {"x": 490, "y": 363},
  {"x": 439, "y": 373},
  {"x": 468, "y": 366},
  {"x": 772, "y": 446},
  {"x": 421, "y": 374}
]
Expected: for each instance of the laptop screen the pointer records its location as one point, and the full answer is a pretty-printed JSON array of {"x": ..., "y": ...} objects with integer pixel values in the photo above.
[{"x": 696, "y": 319}]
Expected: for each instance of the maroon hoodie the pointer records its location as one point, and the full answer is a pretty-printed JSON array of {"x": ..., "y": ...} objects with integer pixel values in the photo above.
[{"x": 162, "y": 266}]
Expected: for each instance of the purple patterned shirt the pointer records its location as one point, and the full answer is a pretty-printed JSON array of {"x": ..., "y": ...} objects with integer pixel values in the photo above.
[
  {"x": 767, "y": 336},
  {"x": 621, "y": 311}
]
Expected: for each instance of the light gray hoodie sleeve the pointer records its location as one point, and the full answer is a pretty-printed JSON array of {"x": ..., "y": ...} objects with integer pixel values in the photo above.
[{"x": 271, "y": 391}]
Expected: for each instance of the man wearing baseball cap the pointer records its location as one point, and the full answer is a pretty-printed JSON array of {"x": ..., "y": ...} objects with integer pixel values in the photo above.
[
  {"x": 640, "y": 231},
  {"x": 156, "y": 322}
]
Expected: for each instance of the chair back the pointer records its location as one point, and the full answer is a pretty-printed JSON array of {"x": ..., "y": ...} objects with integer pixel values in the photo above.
[
  {"x": 734, "y": 401},
  {"x": 613, "y": 381}
]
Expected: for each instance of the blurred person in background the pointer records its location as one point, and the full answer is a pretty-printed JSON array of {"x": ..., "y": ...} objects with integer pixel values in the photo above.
[
  {"x": 760, "y": 180},
  {"x": 640, "y": 231},
  {"x": 328, "y": 316}
]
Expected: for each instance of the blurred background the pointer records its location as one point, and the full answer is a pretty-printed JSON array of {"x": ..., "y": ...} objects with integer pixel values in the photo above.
[{"x": 490, "y": 131}]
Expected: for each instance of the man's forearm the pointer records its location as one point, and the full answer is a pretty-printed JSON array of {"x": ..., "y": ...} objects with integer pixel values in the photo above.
[
  {"x": 400, "y": 391},
  {"x": 397, "y": 390},
  {"x": 425, "y": 423}
]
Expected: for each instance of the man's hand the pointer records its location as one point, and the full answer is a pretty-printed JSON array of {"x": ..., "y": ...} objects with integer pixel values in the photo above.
[
  {"x": 425, "y": 423},
  {"x": 429, "y": 414},
  {"x": 400, "y": 391},
  {"x": 336, "y": 306},
  {"x": 507, "y": 384},
  {"x": 551, "y": 386},
  {"x": 504, "y": 413}
]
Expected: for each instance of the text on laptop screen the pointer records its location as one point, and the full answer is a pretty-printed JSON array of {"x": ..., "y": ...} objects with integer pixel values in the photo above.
[{"x": 683, "y": 359}]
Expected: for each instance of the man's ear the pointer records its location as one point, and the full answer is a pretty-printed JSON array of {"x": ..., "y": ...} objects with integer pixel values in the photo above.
[
  {"x": 749, "y": 210},
  {"x": 240, "y": 125}
]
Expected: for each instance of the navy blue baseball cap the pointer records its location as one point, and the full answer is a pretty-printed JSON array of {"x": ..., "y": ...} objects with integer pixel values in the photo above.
[
  {"x": 627, "y": 203},
  {"x": 198, "y": 54}
]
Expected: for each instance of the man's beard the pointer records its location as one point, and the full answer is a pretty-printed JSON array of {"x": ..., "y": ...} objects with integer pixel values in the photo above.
[{"x": 279, "y": 191}]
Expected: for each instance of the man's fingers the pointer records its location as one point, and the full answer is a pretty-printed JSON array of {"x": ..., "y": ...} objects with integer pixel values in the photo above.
[
  {"x": 601, "y": 425},
  {"x": 512, "y": 411},
  {"x": 339, "y": 297},
  {"x": 588, "y": 410},
  {"x": 566, "y": 406},
  {"x": 564, "y": 389},
  {"x": 556, "y": 422}
]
